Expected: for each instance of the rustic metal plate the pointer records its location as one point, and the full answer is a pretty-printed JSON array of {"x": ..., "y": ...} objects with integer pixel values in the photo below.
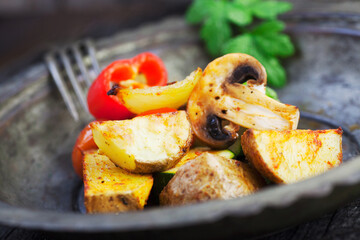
[{"x": 39, "y": 190}]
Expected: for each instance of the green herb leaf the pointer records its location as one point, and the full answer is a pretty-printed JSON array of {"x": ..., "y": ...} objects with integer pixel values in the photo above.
[
  {"x": 275, "y": 72},
  {"x": 200, "y": 10},
  {"x": 270, "y": 9},
  {"x": 244, "y": 44},
  {"x": 238, "y": 14},
  {"x": 271, "y": 93},
  {"x": 216, "y": 31},
  {"x": 241, "y": 44},
  {"x": 246, "y": 2},
  {"x": 271, "y": 26},
  {"x": 264, "y": 42},
  {"x": 275, "y": 44}
]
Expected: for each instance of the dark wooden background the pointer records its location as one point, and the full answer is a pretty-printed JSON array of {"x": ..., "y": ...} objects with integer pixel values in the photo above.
[{"x": 29, "y": 27}]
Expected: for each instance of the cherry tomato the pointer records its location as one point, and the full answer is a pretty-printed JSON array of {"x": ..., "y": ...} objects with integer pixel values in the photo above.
[{"x": 84, "y": 143}]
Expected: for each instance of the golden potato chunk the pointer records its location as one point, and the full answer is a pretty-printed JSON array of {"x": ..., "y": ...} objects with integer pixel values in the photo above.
[
  {"x": 292, "y": 155},
  {"x": 210, "y": 176},
  {"x": 145, "y": 144},
  {"x": 109, "y": 189}
]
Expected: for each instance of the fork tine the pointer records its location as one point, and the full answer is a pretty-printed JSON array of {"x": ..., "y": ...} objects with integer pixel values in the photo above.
[
  {"x": 70, "y": 72},
  {"x": 92, "y": 52},
  {"x": 65, "y": 55},
  {"x": 54, "y": 70},
  {"x": 80, "y": 63}
]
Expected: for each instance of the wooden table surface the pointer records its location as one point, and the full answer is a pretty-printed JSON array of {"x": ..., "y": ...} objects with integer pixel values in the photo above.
[{"x": 71, "y": 24}]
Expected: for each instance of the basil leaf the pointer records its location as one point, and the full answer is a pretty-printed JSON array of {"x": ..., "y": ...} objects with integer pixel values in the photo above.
[
  {"x": 244, "y": 44},
  {"x": 275, "y": 44},
  {"x": 200, "y": 10},
  {"x": 239, "y": 15},
  {"x": 264, "y": 42},
  {"x": 246, "y": 2},
  {"x": 241, "y": 44},
  {"x": 272, "y": 26},
  {"x": 270, "y": 9},
  {"x": 215, "y": 31},
  {"x": 271, "y": 93},
  {"x": 275, "y": 72}
]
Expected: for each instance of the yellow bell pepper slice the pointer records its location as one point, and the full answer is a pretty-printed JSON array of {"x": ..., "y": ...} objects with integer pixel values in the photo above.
[{"x": 170, "y": 96}]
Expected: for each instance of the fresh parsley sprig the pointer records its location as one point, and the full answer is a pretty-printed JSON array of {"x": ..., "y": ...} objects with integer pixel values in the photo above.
[{"x": 246, "y": 26}]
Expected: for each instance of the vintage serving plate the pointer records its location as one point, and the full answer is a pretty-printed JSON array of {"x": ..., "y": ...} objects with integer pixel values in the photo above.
[{"x": 40, "y": 191}]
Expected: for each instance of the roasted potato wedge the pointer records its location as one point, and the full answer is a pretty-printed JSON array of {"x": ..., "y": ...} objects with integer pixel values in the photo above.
[
  {"x": 161, "y": 179},
  {"x": 292, "y": 155},
  {"x": 109, "y": 189},
  {"x": 210, "y": 176},
  {"x": 145, "y": 144}
]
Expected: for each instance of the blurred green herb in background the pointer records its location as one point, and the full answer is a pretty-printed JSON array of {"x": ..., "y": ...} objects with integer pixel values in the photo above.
[{"x": 246, "y": 26}]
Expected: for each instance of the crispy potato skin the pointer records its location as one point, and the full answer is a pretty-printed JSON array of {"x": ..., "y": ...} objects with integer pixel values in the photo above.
[
  {"x": 253, "y": 155},
  {"x": 145, "y": 144},
  {"x": 109, "y": 189},
  {"x": 111, "y": 204},
  {"x": 292, "y": 155},
  {"x": 209, "y": 176}
]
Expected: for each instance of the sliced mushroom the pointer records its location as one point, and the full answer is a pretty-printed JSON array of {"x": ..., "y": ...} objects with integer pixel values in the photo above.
[{"x": 220, "y": 103}]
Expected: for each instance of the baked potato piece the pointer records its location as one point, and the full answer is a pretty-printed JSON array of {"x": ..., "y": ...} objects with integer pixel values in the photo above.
[
  {"x": 292, "y": 155},
  {"x": 145, "y": 144},
  {"x": 109, "y": 189},
  {"x": 161, "y": 179},
  {"x": 210, "y": 176}
]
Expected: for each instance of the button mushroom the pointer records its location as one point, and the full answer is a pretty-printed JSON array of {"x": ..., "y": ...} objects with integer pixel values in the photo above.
[{"x": 220, "y": 103}]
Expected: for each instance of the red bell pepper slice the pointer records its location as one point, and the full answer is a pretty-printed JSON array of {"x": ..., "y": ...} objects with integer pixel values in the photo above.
[{"x": 102, "y": 100}]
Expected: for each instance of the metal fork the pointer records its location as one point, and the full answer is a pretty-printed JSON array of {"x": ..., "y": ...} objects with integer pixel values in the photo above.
[{"x": 70, "y": 59}]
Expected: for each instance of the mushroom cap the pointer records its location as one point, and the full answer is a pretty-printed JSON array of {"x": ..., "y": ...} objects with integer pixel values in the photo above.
[{"x": 220, "y": 103}]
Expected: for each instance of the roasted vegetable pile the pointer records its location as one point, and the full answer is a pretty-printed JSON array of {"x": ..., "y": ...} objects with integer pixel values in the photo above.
[{"x": 218, "y": 134}]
